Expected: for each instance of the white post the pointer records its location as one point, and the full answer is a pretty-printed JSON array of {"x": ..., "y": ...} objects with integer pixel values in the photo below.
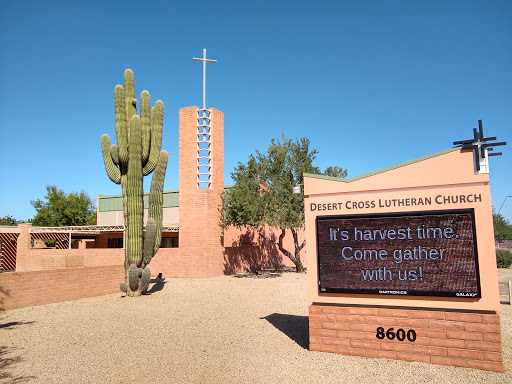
[
  {"x": 204, "y": 78},
  {"x": 510, "y": 292}
]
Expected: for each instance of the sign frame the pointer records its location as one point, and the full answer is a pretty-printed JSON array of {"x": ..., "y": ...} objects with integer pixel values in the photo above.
[{"x": 400, "y": 292}]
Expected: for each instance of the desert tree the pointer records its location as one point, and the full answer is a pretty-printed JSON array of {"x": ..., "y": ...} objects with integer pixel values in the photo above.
[{"x": 263, "y": 193}]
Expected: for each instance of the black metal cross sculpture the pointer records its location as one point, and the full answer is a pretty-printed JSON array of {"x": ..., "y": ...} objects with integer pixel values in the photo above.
[{"x": 479, "y": 144}]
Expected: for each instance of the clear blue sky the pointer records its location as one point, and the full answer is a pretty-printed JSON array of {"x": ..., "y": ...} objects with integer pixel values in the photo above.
[{"x": 370, "y": 83}]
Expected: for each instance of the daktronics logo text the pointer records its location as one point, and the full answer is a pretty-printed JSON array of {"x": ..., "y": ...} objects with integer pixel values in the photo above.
[
  {"x": 465, "y": 294},
  {"x": 387, "y": 292}
]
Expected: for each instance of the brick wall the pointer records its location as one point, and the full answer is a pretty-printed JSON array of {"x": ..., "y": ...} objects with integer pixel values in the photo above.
[
  {"x": 61, "y": 260},
  {"x": 22, "y": 289},
  {"x": 44, "y": 259},
  {"x": 246, "y": 251},
  {"x": 97, "y": 257},
  {"x": 166, "y": 262},
  {"x": 462, "y": 339},
  {"x": 33, "y": 259},
  {"x": 64, "y": 276}
]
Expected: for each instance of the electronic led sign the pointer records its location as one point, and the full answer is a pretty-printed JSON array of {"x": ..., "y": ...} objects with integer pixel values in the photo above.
[{"x": 415, "y": 254}]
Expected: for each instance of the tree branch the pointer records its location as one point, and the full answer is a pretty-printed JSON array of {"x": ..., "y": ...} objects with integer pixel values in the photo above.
[{"x": 255, "y": 227}]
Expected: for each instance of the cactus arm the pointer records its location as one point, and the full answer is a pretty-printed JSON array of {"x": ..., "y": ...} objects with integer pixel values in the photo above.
[
  {"x": 149, "y": 241},
  {"x": 145, "y": 113},
  {"x": 114, "y": 154},
  {"x": 157, "y": 120},
  {"x": 121, "y": 125},
  {"x": 156, "y": 197},
  {"x": 144, "y": 280},
  {"x": 112, "y": 171},
  {"x": 135, "y": 209},
  {"x": 133, "y": 277}
]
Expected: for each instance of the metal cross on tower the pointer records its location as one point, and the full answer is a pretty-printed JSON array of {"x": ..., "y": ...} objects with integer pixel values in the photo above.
[
  {"x": 204, "y": 135},
  {"x": 204, "y": 60}
]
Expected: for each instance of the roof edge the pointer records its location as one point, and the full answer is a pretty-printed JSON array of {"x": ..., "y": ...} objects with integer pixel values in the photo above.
[
  {"x": 382, "y": 170},
  {"x": 145, "y": 194}
]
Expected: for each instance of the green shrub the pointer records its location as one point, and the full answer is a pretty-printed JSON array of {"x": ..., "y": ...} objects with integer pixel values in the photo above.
[
  {"x": 50, "y": 242},
  {"x": 503, "y": 258}
]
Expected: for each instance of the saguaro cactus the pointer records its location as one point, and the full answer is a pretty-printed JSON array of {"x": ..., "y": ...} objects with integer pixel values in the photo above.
[{"x": 136, "y": 155}]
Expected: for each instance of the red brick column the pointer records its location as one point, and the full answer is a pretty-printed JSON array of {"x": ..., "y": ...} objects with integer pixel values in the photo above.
[
  {"x": 25, "y": 260},
  {"x": 461, "y": 339},
  {"x": 201, "y": 248}
]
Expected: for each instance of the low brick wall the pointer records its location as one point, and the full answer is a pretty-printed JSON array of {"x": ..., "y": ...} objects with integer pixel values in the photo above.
[
  {"x": 98, "y": 257},
  {"x": 471, "y": 340},
  {"x": 23, "y": 289},
  {"x": 63, "y": 260},
  {"x": 47, "y": 258}
]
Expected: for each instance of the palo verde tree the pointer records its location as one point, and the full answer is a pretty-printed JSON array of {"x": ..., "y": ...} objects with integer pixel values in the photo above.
[
  {"x": 63, "y": 209},
  {"x": 136, "y": 155},
  {"x": 263, "y": 192}
]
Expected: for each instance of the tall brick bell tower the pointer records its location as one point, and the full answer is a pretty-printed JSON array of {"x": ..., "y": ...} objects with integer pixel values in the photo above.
[{"x": 201, "y": 184}]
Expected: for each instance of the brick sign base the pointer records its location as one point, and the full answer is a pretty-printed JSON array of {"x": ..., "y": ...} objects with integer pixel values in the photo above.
[{"x": 463, "y": 339}]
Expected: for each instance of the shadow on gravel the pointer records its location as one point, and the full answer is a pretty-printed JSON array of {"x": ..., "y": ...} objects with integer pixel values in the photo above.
[
  {"x": 259, "y": 275},
  {"x": 15, "y": 323},
  {"x": 293, "y": 326},
  {"x": 6, "y": 362},
  {"x": 265, "y": 274},
  {"x": 157, "y": 286}
]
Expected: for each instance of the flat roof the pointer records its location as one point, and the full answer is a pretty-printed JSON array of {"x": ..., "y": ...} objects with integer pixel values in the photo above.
[
  {"x": 115, "y": 202},
  {"x": 171, "y": 199},
  {"x": 91, "y": 229}
]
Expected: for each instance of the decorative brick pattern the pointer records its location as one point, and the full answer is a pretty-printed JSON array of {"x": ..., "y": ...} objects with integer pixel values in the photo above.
[
  {"x": 8, "y": 251},
  {"x": 462, "y": 339}
]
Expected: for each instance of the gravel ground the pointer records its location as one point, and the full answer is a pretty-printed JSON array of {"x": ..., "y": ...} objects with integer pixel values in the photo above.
[{"x": 228, "y": 329}]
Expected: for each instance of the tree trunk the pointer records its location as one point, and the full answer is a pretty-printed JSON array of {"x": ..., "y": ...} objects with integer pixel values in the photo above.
[
  {"x": 298, "y": 248},
  {"x": 294, "y": 257}
]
